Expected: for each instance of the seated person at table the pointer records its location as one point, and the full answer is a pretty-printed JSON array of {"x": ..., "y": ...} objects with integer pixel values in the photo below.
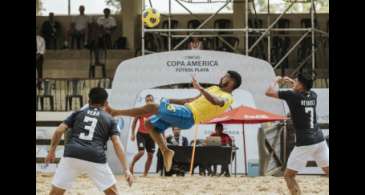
[
  {"x": 178, "y": 140},
  {"x": 225, "y": 140}
]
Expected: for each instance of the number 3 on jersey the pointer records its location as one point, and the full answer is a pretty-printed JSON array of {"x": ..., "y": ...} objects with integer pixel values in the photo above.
[
  {"x": 310, "y": 111},
  {"x": 90, "y": 128}
]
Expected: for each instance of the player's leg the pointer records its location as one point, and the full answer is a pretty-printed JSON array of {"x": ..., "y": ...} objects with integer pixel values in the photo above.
[
  {"x": 297, "y": 160},
  {"x": 322, "y": 157},
  {"x": 66, "y": 173},
  {"x": 157, "y": 137},
  {"x": 111, "y": 190},
  {"x": 148, "y": 164},
  {"x": 102, "y": 176},
  {"x": 150, "y": 148},
  {"x": 148, "y": 109},
  {"x": 292, "y": 184},
  {"x": 141, "y": 148}
]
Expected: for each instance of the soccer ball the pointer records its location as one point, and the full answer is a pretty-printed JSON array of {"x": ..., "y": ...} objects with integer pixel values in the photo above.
[{"x": 151, "y": 18}]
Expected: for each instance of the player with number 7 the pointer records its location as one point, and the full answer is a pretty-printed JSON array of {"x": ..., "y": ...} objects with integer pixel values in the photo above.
[{"x": 310, "y": 143}]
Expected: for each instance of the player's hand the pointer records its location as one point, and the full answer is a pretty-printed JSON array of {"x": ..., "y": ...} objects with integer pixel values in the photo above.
[
  {"x": 133, "y": 137},
  {"x": 278, "y": 79},
  {"x": 50, "y": 157},
  {"x": 129, "y": 177},
  {"x": 196, "y": 84},
  {"x": 288, "y": 80}
]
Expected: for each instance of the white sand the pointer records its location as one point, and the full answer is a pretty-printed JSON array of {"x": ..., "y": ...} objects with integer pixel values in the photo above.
[{"x": 191, "y": 185}]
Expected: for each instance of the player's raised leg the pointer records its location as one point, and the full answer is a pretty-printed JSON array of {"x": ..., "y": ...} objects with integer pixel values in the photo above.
[{"x": 148, "y": 109}]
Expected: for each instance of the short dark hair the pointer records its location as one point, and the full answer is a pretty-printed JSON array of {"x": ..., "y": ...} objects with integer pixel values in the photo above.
[
  {"x": 236, "y": 77},
  {"x": 219, "y": 125},
  {"x": 149, "y": 95},
  {"x": 306, "y": 80},
  {"x": 106, "y": 9},
  {"x": 98, "y": 95}
]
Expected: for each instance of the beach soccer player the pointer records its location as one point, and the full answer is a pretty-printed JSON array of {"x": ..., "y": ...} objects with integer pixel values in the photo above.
[
  {"x": 84, "y": 151},
  {"x": 184, "y": 113},
  {"x": 310, "y": 142},
  {"x": 144, "y": 140}
]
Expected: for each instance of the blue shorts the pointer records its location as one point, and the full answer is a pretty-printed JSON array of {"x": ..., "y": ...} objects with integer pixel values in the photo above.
[{"x": 172, "y": 115}]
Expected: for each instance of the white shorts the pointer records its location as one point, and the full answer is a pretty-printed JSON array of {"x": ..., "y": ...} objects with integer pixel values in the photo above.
[
  {"x": 300, "y": 155},
  {"x": 69, "y": 168}
]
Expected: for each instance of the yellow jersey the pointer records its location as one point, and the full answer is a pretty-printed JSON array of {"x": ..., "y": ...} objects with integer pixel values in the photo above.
[{"x": 204, "y": 111}]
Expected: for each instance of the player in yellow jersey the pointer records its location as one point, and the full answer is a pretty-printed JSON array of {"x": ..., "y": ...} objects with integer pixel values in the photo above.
[{"x": 184, "y": 113}]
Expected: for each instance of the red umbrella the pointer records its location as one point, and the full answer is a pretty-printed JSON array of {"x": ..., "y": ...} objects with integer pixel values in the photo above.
[{"x": 246, "y": 115}]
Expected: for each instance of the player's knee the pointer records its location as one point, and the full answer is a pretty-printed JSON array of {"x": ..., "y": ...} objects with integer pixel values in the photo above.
[
  {"x": 111, "y": 191},
  {"x": 141, "y": 152}
]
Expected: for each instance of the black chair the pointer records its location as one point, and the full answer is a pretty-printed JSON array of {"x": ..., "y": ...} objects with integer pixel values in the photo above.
[
  {"x": 76, "y": 86},
  {"x": 48, "y": 85},
  {"x": 305, "y": 47},
  {"x": 280, "y": 45},
  {"x": 233, "y": 41},
  {"x": 192, "y": 24},
  {"x": 174, "y": 41},
  {"x": 221, "y": 24},
  {"x": 259, "y": 50},
  {"x": 98, "y": 56}
]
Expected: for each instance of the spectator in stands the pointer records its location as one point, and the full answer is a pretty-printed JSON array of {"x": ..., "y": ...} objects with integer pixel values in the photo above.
[
  {"x": 79, "y": 35},
  {"x": 177, "y": 139},
  {"x": 39, "y": 55},
  {"x": 94, "y": 38},
  {"x": 108, "y": 25},
  {"x": 195, "y": 44},
  {"x": 50, "y": 31},
  {"x": 225, "y": 140}
]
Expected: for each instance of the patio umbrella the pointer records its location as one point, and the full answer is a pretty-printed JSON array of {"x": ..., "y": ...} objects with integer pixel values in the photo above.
[{"x": 243, "y": 115}]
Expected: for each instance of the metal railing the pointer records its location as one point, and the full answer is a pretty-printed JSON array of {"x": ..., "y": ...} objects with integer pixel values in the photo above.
[{"x": 66, "y": 94}]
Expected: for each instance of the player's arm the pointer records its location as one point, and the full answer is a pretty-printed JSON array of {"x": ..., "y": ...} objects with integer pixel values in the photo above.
[
  {"x": 56, "y": 138},
  {"x": 134, "y": 125},
  {"x": 271, "y": 90},
  {"x": 211, "y": 98},
  {"x": 119, "y": 151},
  {"x": 183, "y": 101}
]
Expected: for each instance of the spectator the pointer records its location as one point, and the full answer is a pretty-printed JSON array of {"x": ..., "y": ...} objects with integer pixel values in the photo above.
[
  {"x": 94, "y": 38},
  {"x": 177, "y": 139},
  {"x": 195, "y": 44},
  {"x": 79, "y": 35},
  {"x": 225, "y": 140},
  {"x": 50, "y": 31},
  {"x": 108, "y": 25},
  {"x": 39, "y": 55}
]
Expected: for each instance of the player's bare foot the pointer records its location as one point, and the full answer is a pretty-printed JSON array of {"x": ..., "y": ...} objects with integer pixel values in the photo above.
[{"x": 168, "y": 155}]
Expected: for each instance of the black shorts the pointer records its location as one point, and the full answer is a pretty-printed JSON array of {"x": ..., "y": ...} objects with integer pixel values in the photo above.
[{"x": 144, "y": 141}]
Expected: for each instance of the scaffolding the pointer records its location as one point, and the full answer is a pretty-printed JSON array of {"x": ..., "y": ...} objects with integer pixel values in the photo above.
[{"x": 265, "y": 32}]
